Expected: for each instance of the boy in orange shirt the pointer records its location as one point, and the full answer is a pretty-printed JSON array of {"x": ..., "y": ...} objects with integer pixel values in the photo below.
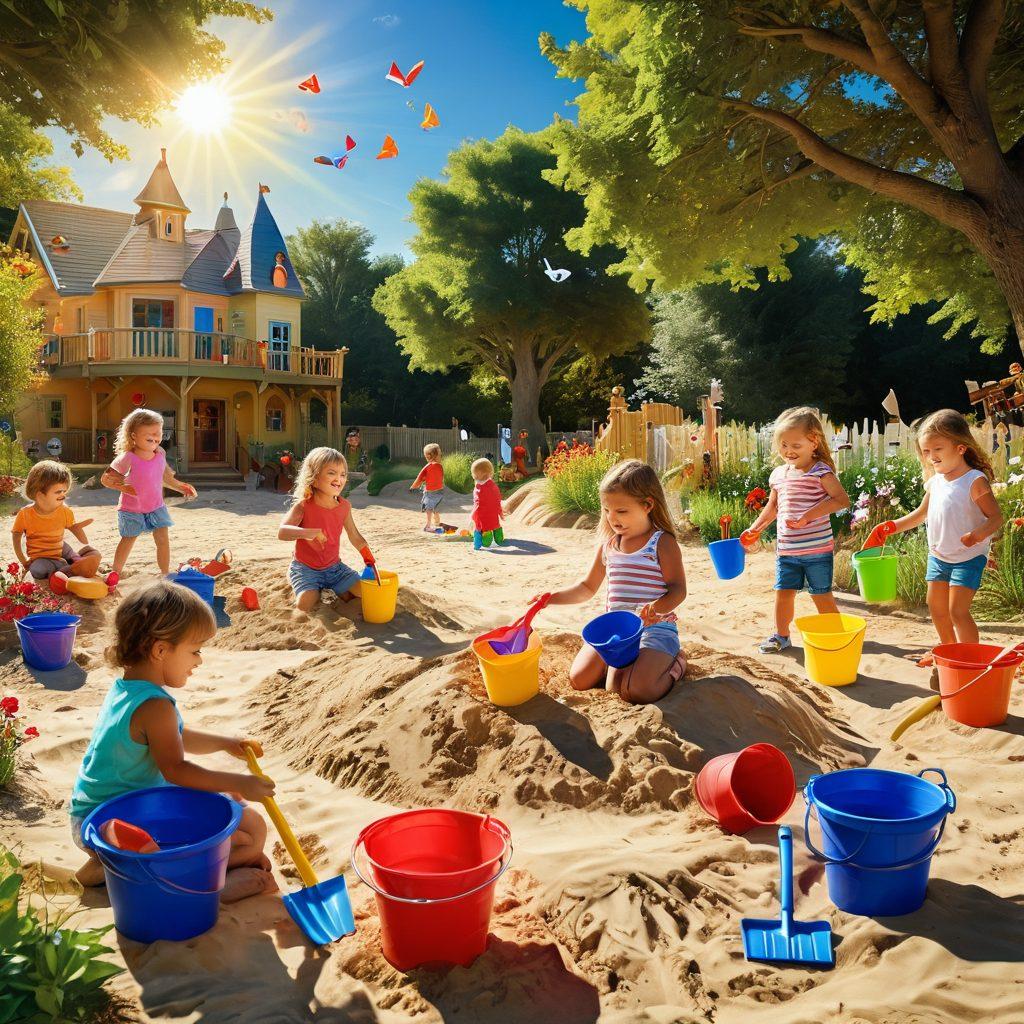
[
  {"x": 431, "y": 476},
  {"x": 43, "y": 524}
]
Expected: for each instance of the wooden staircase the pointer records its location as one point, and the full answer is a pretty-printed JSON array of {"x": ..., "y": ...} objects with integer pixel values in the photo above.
[{"x": 214, "y": 476}]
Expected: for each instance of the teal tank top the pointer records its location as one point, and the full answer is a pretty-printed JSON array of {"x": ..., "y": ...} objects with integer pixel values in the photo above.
[{"x": 115, "y": 763}]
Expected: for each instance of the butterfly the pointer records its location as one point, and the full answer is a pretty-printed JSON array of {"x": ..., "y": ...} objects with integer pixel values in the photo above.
[
  {"x": 388, "y": 149},
  {"x": 430, "y": 118},
  {"x": 396, "y": 76},
  {"x": 311, "y": 84},
  {"x": 337, "y": 161},
  {"x": 558, "y": 276}
]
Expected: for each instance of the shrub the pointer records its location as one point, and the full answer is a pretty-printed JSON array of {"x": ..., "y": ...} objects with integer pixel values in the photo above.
[
  {"x": 13, "y": 460},
  {"x": 574, "y": 488},
  {"x": 1002, "y": 588},
  {"x": 911, "y": 588},
  {"x": 879, "y": 490},
  {"x": 13, "y": 733},
  {"x": 564, "y": 455},
  {"x": 456, "y": 472},
  {"x": 706, "y": 508},
  {"x": 843, "y": 575}
]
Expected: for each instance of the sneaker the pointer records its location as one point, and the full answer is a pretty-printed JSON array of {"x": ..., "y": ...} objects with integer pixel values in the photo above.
[{"x": 774, "y": 644}]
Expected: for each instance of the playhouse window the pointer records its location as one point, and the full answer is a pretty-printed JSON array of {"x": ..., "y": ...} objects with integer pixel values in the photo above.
[
  {"x": 55, "y": 413},
  {"x": 275, "y": 415},
  {"x": 168, "y": 227},
  {"x": 152, "y": 313}
]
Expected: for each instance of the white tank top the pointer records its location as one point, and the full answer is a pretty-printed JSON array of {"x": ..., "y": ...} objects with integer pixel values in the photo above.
[{"x": 951, "y": 514}]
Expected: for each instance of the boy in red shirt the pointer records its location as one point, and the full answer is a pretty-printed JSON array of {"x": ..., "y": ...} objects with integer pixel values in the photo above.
[{"x": 431, "y": 477}]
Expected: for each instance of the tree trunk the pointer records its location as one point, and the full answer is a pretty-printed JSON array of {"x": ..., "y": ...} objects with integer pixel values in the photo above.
[
  {"x": 1001, "y": 243},
  {"x": 526, "y": 386}
]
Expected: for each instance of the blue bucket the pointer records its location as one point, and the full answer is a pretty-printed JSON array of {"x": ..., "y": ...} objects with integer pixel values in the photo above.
[
  {"x": 728, "y": 557},
  {"x": 616, "y": 637},
  {"x": 880, "y": 830},
  {"x": 173, "y": 894},
  {"x": 196, "y": 581},
  {"x": 47, "y": 639}
]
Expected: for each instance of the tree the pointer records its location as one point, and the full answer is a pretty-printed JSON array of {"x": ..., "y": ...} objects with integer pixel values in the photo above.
[
  {"x": 713, "y": 134},
  {"x": 477, "y": 292},
  {"x": 20, "y": 326},
  {"x": 21, "y": 177},
  {"x": 70, "y": 65}
]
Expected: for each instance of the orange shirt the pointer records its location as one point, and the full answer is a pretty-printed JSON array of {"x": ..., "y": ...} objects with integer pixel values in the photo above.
[
  {"x": 432, "y": 474},
  {"x": 44, "y": 534}
]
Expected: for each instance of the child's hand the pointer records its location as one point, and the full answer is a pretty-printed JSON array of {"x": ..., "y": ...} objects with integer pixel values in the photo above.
[
  {"x": 317, "y": 537},
  {"x": 129, "y": 490},
  {"x": 647, "y": 614},
  {"x": 797, "y": 524},
  {"x": 235, "y": 746},
  {"x": 255, "y": 787},
  {"x": 969, "y": 540},
  {"x": 83, "y": 523},
  {"x": 189, "y": 491}
]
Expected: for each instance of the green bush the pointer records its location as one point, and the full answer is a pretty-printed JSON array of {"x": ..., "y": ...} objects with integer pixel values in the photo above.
[
  {"x": 911, "y": 588},
  {"x": 50, "y": 973},
  {"x": 878, "y": 491},
  {"x": 844, "y": 577},
  {"x": 381, "y": 476},
  {"x": 706, "y": 508},
  {"x": 1002, "y": 589},
  {"x": 575, "y": 488},
  {"x": 456, "y": 472},
  {"x": 13, "y": 460}
]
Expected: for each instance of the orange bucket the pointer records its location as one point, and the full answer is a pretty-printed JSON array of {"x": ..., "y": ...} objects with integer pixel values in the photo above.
[{"x": 986, "y": 702}]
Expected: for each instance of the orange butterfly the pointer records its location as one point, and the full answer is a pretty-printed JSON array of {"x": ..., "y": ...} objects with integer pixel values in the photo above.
[
  {"x": 311, "y": 84},
  {"x": 388, "y": 150},
  {"x": 430, "y": 118},
  {"x": 396, "y": 76}
]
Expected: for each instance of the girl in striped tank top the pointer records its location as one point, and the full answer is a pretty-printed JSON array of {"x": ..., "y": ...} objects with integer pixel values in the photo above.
[
  {"x": 640, "y": 555},
  {"x": 805, "y": 491}
]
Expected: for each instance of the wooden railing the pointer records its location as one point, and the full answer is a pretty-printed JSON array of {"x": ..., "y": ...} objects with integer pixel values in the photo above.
[{"x": 194, "y": 348}]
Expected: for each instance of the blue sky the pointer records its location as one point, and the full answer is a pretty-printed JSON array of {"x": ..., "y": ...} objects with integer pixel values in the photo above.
[{"x": 483, "y": 72}]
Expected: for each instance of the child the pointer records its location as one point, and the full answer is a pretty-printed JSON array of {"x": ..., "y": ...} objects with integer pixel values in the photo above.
[
  {"x": 315, "y": 522},
  {"x": 43, "y": 523},
  {"x": 140, "y": 472},
  {"x": 431, "y": 476},
  {"x": 639, "y": 551},
  {"x": 487, "y": 511},
  {"x": 139, "y": 739},
  {"x": 805, "y": 491},
  {"x": 962, "y": 515}
]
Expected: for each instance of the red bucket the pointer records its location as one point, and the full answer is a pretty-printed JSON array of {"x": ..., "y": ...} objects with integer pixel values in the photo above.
[
  {"x": 434, "y": 873},
  {"x": 986, "y": 702},
  {"x": 753, "y": 787}
]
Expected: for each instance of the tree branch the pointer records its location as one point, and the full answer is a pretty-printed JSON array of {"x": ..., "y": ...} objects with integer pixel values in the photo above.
[
  {"x": 817, "y": 39},
  {"x": 549, "y": 364},
  {"x": 944, "y": 204},
  {"x": 977, "y": 42},
  {"x": 806, "y": 168},
  {"x": 943, "y": 54}
]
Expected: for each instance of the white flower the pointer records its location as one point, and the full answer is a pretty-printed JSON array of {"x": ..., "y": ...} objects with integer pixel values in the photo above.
[
  {"x": 894, "y": 502},
  {"x": 1015, "y": 461}
]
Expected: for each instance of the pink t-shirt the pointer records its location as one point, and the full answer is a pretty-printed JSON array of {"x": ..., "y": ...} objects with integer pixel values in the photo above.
[{"x": 146, "y": 476}]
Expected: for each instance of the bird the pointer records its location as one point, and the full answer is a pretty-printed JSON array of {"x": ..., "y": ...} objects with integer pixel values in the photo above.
[{"x": 558, "y": 276}]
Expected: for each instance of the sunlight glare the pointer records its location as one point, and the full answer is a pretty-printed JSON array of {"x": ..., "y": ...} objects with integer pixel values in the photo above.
[{"x": 204, "y": 108}]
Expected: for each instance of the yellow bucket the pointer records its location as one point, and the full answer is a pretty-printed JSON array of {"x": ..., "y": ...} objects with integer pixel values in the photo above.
[
  {"x": 379, "y": 599},
  {"x": 832, "y": 647},
  {"x": 510, "y": 678}
]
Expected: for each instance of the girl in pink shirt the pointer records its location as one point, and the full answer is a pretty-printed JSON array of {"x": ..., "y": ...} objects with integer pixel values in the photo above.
[{"x": 140, "y": 472}]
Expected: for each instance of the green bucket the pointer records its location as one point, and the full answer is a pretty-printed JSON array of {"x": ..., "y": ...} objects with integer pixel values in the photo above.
[{"x": 876, "y": 574}]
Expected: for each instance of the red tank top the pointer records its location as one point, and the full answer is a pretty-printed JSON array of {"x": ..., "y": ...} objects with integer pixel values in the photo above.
[{"x": 331, "y": 521}]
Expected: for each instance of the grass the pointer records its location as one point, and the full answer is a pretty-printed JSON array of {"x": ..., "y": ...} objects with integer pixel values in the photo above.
[
  {"x": 575, "y": 489},
  {"x": 457, "y": 476},
  {"x": 1002, "y": 589},
  {"x": 388, "y": 473},
  {"x": 706, "y": 508}
]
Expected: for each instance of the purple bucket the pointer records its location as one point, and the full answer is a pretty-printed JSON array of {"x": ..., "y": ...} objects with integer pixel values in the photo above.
[{"x": 47, "y": 639}]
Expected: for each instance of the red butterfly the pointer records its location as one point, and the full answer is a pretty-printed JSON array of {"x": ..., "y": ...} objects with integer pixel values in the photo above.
[
  {"x": 338, "y": 160},
  {"x": 311, "y": 84},
  {"x": 396, "y": 76}
]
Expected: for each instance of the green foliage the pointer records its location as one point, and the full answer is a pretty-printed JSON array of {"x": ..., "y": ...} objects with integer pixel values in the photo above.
[
  {"x": 13, "y": 460},
  {"x": 388, "y": 473},
  {"x": 1001, "y": 596},
  {"x": 576, "y": 488},
  {"x": 706, "y": 508},
  {"x": 911, "y": 587},
  {"x": 71, "y": 65},
  {"x": 21, "y": 152},
  {"x": 457, "y": 475},
  {"x": 20, "y": 326},
  {"x": 680, "y": 166},
  {"x": 50, "y": 973},
  {"x": 879, "y": 491}
]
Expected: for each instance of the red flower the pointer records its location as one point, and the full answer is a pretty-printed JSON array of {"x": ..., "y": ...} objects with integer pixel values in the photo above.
[
  {"x": 5, "y": 602},
  {"x": 26, "y": 589},
  {"x": 20, "y": 611},
  {"x": 7, "y": 617},
  {"x": 14, "y": 569},
  {"x": 9, "y": 706},
  {"x": 31, "y": 733}
]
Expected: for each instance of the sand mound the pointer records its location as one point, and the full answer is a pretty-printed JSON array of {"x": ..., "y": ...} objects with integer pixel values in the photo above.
[{"x": 528, "y": 505}]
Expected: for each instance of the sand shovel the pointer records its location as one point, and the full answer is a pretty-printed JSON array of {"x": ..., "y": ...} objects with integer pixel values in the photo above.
[
  {"x": 321, "y": 909},
  {"x": 785, "y": 940},
  {"x": 514, "y": 639},
  {"x": 927, "y": 706}
]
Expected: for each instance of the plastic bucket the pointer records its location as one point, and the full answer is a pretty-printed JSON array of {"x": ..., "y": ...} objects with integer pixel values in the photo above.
[
  {"x": 753, "y": 787},
  {"x": 880, "y": 829},
  {"x": 47, "y": 639},
  {"x": 876, "y": 574},
  {"x": 434, "y": 873},
  {"x": 616, "y": 637},
  {"x": 986, "y": 702},
  {"x": 173, "y": 894},
  {"x": 728, "y": 557},
  {"x": 510, "y": 679},
  {"x": 196, "y": 581},
  {"x": 379, "y": 599},
  {"x": 832, "y": 647}
]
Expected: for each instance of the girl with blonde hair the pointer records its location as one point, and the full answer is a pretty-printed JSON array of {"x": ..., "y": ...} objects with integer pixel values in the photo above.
[
  {"x": 140, "y": 472},
  {"x": 962, "y": 515},
  {"x": 315, "y": 522},
  {"x": 804, "y": 492},
  {"x": 639, "y": 553}
]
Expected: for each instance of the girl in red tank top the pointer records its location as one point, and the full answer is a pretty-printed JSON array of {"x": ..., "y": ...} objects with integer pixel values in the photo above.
[{"x": 318, "y": 517}]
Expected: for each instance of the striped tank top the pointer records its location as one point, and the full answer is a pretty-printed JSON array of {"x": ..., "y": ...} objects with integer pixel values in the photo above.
[
  {"x": 635, "y": 579},
  {"x": 799, "y": 492}
]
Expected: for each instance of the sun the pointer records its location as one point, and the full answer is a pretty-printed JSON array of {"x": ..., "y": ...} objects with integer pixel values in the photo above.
[{"x": 204, "y": 108}]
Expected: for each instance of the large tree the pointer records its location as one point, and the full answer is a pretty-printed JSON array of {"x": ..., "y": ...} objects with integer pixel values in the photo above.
[
  {"x": 477, "y": 292},
  {"x": 20, "y": 327},
  {"x": 23, "y": 175},
  {"x": 713, "y": 133}
]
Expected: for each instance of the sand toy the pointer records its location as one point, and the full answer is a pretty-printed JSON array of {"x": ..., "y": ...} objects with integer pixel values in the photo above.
[
  {"x": 512, "y": 639},
  {"x": 47, "y": 639},
  {"x": 321, "y": 909},
  {"x": 784, "y": 940},
  {"x": 728, "y": 555}
]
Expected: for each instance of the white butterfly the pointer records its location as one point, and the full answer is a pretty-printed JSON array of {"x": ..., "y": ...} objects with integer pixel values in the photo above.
[{"x": 558, "y": 276}]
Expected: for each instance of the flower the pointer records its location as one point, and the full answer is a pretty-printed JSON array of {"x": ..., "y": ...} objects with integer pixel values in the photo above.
[
  {"x": 9, "y": 706},
  {"x": 14, "y": 569},
  {"x": 1015, "y": 461},
  {"x": 20, "y": 611},
  {"x": 31, "y": 733}
]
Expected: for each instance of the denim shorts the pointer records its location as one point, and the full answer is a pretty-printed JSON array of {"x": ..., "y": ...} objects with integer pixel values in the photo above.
[
  {"x": 956, "y": 574},
  {"x": 431, "y": 500},
  {"x": 660, "y": 636},
  {"x": 134, "y": 524},
  {"x": 793, "y": 572},
  {"x": 338, "y": 577}
]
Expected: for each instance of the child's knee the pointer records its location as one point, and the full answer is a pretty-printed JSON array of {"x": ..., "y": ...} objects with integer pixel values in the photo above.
[{"x": 254, "y": 826}]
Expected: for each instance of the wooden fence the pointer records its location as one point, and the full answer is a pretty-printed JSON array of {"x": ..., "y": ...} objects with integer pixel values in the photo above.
[
  {"x": 407, "y": 443},
  {"x": 631, "y": 434}
]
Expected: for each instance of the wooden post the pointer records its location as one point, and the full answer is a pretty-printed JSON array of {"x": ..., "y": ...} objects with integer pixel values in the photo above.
[
  {"x": 94, "y": 416},
  {"x": 184, "y": 425}
]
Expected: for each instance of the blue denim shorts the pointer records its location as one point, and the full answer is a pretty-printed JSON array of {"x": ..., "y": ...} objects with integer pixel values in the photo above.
[
  {"x": 660, "y": 636},
  {"x": 338, "y": 577},
  {"x": 956, "y": 574},
  {"x": 134, "y": 524},
  {"x": 793, "y": 572},
  {"x": 431, "y": 500}
]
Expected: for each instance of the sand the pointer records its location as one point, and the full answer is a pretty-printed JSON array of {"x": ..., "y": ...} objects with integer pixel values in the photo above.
[{"x": 623, "y": 900}]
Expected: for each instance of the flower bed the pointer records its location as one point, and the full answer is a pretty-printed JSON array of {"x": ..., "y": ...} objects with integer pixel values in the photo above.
[
  {"x": 13, "y": 734},
  {"x": 19, "y": 598}
]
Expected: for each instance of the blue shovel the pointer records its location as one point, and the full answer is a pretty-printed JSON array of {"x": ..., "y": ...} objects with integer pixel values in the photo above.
[{"x": 785, "y": 940}]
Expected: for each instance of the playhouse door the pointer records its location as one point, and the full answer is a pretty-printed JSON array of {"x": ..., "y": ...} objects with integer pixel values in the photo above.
[{"x": 208, "y": 430}]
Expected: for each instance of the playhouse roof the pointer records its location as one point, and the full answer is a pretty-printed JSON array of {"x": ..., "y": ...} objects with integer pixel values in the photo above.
[
  {"x": 160, "y": 190},
  {"x": 253, "y": 266}
]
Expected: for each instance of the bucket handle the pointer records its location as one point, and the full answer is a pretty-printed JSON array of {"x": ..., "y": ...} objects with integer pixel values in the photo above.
[
  {"x": 426, "y": 901},
  {"x": 835, "y": 650}
]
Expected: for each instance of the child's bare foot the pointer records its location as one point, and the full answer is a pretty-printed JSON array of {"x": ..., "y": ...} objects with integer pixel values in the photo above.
[
  {"x": 926, "y": 662},
  {"x": 90, "y": 874},
  {"x": 241, "y": 883}
]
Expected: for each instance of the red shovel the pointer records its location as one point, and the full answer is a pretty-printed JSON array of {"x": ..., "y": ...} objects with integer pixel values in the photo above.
[{"x": 514, "y": 638}]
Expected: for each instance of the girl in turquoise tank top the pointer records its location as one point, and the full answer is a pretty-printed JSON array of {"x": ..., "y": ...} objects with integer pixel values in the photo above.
[{"x": 140, "y": 740}]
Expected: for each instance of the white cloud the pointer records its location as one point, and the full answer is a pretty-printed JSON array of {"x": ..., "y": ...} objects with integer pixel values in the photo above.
[
  {"x": 387, "y": 20},
  {"x": 295, "y": 117}
]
